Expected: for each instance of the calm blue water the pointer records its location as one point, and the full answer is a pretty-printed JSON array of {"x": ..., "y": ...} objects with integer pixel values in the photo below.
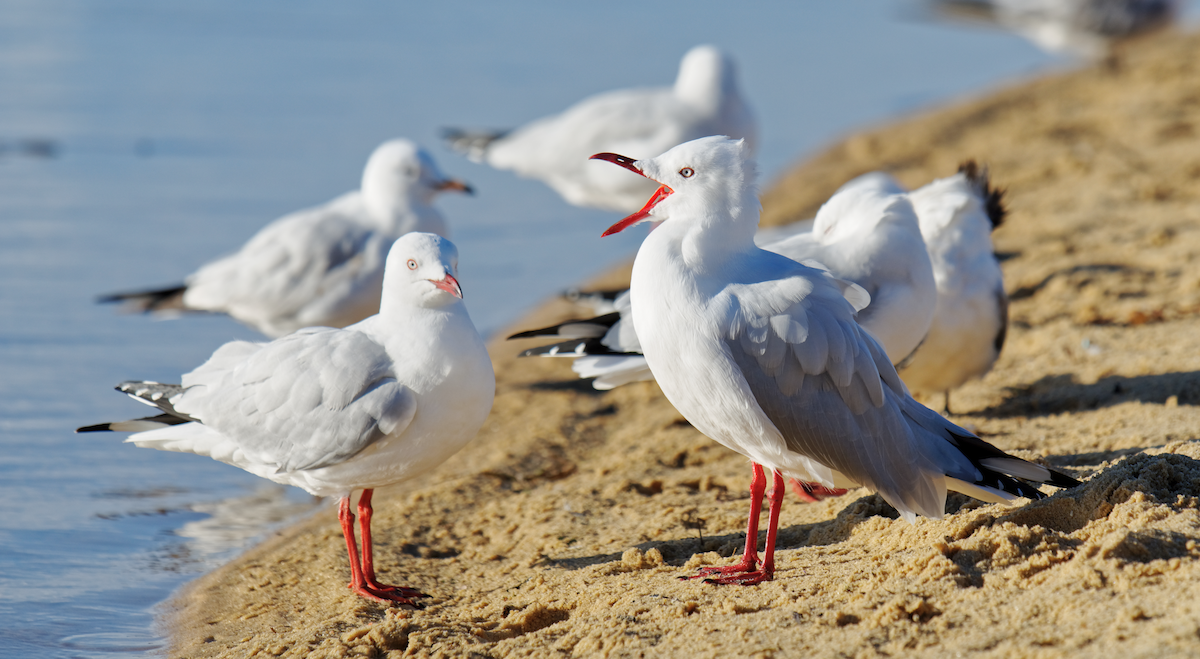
[{"x": 140, "y": 139}]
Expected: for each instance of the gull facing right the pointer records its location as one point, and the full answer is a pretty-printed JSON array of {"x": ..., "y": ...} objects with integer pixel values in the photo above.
[
  {"x": 337, "y": 410},
  {"x": 763, "y": 355},
  {"x": 322, "y": 265},
  {"x": 704, "y": 100}
]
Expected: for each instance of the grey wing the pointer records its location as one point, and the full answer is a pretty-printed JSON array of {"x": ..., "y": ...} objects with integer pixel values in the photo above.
[
  {"x": 310, "y": 400},
  {"x": 830, "y": 390}
]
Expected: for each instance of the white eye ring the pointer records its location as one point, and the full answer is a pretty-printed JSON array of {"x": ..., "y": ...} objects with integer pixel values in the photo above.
[
  {"x": 687, "y": 172},
  {"x": 412, "y": 264}
]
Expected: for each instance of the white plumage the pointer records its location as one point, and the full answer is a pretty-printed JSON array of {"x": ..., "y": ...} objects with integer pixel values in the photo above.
[
  {"x": 322, "y": 265},
  {"x": 957, "y": 215},
  {"x": 704, "y": 100},
  {"x": 763, "y": 355},
  {"x": 336, "y": 410},
  {"x": 867, "y": 233}
]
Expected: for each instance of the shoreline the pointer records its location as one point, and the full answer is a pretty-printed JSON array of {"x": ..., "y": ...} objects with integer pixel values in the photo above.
[{"x": 562, "y": 528}]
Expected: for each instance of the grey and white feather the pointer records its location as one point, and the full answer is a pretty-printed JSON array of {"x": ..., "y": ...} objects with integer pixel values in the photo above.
[
  {"x": 957, "y": 216},
  {"x": 322, "y": 265},
  {"x": 334, "y": 410},
  {"x": 867, "y": 233},
  {"x": 643, "y": 122},
  {"x": 763, "y": 354}
]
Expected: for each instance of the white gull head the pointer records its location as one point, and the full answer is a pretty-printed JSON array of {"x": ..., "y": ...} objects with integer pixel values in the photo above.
[
  {"x": 422, "y": 270},
  {"x": 709, "y": 183},
  {"x": 401, "y": 177}
]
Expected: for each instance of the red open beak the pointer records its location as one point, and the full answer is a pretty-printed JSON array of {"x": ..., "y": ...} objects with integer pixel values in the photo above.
[
  {"x": 449, "y": 284},
  {"x": 454, "y": 184},
  {"x": 661, "y": 193}
]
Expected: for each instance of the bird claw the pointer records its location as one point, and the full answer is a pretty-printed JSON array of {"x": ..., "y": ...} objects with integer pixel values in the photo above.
[
  {"x": 814, "y": 492},
  {"x": 384, "y": 593},
  {"x": 744, "y": 578},
  {"x": 726, "y": 572}
]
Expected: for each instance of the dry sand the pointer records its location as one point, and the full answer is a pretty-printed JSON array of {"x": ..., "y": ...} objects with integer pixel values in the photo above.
[{"x": 563, "y": 529}]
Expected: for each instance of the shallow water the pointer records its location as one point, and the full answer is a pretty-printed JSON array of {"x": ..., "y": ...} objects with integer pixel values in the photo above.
[{"x": 139, "y": 140}]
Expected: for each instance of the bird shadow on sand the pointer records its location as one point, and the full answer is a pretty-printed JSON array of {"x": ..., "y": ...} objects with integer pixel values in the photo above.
[
  {"x": 1054, "y": 394},
  {"x": 575, "y": 385},
  {"x": 1159, "y": 477},
  {"x": 679, "y": 551}
]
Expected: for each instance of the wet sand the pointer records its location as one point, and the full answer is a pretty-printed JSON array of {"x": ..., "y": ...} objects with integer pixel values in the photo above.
[{"x": 563, "y": 529}]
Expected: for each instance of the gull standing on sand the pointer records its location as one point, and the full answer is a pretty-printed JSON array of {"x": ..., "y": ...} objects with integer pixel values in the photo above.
[
  {"x": 642, "y": 122},
  {"x": 763, "y": 355},
  {"x": 957, "y": 216},
  {"x": 322, "y": 265},
  {"x": 867, "y": 233},
  {"x": 337, "y": 410}
]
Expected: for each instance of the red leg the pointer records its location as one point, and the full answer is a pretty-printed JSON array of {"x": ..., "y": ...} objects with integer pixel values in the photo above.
[
  {"x": 767, "y": 571},
  {"x": 814, "y": 492},
  {"x": 362, "y": 575},
  {"x": 758, "y": 484}
]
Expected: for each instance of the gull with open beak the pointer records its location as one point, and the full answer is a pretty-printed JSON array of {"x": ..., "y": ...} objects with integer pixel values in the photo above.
[{"x": 763, "y": 355}]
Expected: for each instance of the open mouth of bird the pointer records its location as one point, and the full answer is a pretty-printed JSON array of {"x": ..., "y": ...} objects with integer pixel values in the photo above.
[{"x": 661, "y": 193}]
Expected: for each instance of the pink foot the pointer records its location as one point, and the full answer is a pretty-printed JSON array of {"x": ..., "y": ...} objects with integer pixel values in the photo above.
[
  {"x": 814, "y": 492},
  {"x": 385, "y": 593}
]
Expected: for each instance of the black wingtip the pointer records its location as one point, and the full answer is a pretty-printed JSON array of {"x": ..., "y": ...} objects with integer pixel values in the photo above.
[
  {"x": 99, "y": 427},
  {"x": 159, "y": 299},
  {"x": 993, "y": 197},
  {"x": 596, "y": 327},
  {"x": 1059, "y": 479}
]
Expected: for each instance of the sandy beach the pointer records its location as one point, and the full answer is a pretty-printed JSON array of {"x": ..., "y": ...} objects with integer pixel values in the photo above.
[{"x": 563, "y": 529}]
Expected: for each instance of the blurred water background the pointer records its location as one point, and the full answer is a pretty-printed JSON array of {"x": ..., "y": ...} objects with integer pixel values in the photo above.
[{"x": 139, "y": 140}]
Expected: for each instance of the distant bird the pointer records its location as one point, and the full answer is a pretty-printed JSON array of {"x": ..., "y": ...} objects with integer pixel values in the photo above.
[
  {"x": 957, "y": 215},
  {"x": 763, "y": 355},
  {"x": 1088, "y": 28},
  {"x": 643, "y": 122},
  {"x": 336, "y": 410},
  {"x": 322, "y": 265},
  {"x": 868, "y": 233}
]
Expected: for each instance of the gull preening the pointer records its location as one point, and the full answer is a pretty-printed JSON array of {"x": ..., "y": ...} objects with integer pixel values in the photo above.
[
  {"x": 337, "y": 410},
  {"x": 322, "y": 265},
  {"x": 704, "y": 100},
  {"x": 957, "y": 216},
  {"x": 763, "y": 355}
]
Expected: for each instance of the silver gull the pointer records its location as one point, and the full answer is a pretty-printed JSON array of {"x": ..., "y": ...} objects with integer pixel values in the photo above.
[
  {"x": 704, "y": 100},
  {"x": 336, "y": 410},
  {"x": 763, "y": 355},
  {"x": 322, "y": 265}
]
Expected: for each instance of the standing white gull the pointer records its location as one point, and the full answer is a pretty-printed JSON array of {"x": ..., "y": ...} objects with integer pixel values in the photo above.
[
  {"x": 336, "y": 410},
  {"x": 867, "y": 233},
  {"x": 957, "y": 216},
  {"x": 322, "y": 265},
  {"x": 643, "y": 122},
  {"x": 763, "y": 355}
]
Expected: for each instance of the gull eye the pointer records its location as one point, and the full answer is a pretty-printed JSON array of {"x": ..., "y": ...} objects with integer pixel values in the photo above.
[
  {"x": 412, "y": 264},
  {"x": 687, "y": 172}
]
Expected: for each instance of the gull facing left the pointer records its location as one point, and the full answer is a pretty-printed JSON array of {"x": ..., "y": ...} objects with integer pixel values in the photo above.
[
  {"x": 763, "y": 355},
  {"x": 336, "y": 410}
]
